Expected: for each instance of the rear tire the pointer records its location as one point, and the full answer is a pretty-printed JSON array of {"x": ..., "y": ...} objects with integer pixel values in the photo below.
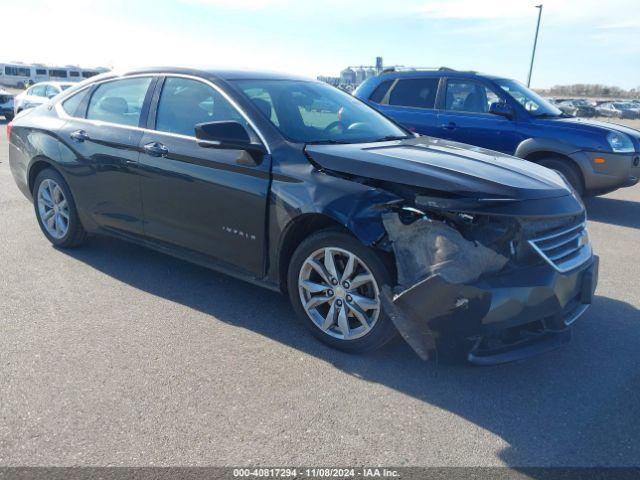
[
  {"x": 8, "y": 117},
  {"x": 569, "y": 172},
  {"x": 331, "y": 309},
  {"x": 56, "y": 210}
]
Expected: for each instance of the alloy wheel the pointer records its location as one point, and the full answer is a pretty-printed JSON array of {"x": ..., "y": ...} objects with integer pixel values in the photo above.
[
  {"x": 339, "y": 293},
  {"x": 53, "y": 208}
]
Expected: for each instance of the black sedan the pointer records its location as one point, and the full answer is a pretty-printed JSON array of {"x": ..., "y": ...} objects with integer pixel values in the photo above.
[{"x": 298, "y": 187}]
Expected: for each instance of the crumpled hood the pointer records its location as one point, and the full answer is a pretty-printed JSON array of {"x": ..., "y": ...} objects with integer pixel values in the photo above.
[{"x": 444, "y": 166}]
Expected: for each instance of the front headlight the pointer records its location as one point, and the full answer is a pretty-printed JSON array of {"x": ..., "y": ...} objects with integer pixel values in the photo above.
[{"x": 620, "y": 143}]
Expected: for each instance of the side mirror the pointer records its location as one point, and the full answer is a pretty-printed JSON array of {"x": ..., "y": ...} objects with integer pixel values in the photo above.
[
  {"x": 501, "y": 108},
  {"x": 225, "y": 134},
  {"x": 230, "y": 135}
]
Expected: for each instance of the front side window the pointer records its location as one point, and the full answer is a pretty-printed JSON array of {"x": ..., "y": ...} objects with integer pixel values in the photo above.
[
  {"x": 119, "y": 101},
  {"x": 530, "y": 100},
  {"x": 51, "y": 91},
  {"x": 37, "y": 91},
  {"x": 415, "y": 92},
  {"x": 314, "y": 112},
  {"x": 469, "y": 96},
  {"x": 184, "y": 103},
  {"x": 262, "y": 99}
]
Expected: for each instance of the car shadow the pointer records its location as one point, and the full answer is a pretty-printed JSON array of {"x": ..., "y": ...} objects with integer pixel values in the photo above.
[
  {"x": 575, "y": 406},
  {"x": 624, "y": 213}
]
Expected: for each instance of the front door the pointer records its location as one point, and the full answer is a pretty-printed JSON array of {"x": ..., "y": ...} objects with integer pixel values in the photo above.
[
  {"x": 465, "y": 117},
  {"x": 207, "y": 200},
  {"x": 105, "y": 143}
]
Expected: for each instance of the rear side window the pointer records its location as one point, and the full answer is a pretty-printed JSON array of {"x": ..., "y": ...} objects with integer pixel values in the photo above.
[
  {"x": 57, "y": 73},
  {"x": 119, "y": 101},
  {"x": 380, "y": 91},
  {"x": 72, "y": 104},
  {"x": 184, "y": 103},
  {"x": 415, "y": 92}
]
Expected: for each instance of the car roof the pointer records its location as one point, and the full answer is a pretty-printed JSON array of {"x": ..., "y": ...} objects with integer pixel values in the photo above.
[
  {"x": 436, "y": 72},
  {"x": 54, "y": 83},
  {"x": 217, "y": 73}
]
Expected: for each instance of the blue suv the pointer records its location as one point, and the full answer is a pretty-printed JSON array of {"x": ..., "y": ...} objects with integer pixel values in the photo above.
[{"x": 502, "y": 114}]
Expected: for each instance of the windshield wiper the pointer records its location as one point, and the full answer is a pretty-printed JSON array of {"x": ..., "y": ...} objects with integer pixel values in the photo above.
[
  {"x": 389, "y": 138},
  {"x": 327, "y": 142},
  {"x": 552, "y": 115}
]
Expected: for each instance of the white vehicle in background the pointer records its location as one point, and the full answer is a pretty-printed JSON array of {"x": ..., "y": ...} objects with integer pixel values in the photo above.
[
  {"x": 16, "y": 75},
  {"x": 38, "y": 94},
  {"x": 21, "y": 75},
  {"x": 6, "y": 105}
]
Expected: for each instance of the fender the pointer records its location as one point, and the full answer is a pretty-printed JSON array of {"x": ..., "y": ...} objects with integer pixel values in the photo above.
[
  {"x": 533, "y": 145},
  {"x": 29, "y": 150},
  {"x": 325, "y": 197}
]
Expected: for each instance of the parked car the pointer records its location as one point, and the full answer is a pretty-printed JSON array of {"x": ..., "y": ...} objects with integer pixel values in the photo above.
[
  {"x": 504, "y": 115},
  {"x": 618, "y": 110},
  {"x": 577, "y": 108},
  {"x": 6, "y": 104},
  {"x": 369, "y": 228},
  {"x": 38, "y": 94}
]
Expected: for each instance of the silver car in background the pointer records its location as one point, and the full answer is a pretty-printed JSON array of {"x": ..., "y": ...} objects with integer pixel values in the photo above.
[{"x": 38, "y": 94}]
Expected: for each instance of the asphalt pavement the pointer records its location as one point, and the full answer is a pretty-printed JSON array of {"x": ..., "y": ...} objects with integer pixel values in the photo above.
[{"x": 111, "y": 354}]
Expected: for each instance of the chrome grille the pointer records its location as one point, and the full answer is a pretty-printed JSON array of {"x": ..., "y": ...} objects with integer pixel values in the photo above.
[{"x": 564, "y": 249}]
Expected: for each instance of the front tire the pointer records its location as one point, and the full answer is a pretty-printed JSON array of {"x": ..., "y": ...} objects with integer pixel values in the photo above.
[
  {"x": 56, "y": 210},
  {"x": 334, "y": 285},
  {"x": 8, "y": 117},
  {"x": 568, "y": 171}
]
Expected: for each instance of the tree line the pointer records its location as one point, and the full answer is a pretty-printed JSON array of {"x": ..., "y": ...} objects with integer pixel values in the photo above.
[{"x": 589, "y": 90}]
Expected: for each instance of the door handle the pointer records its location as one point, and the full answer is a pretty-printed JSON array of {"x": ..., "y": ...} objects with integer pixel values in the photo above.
[
  {"x": 449, "y": 126},
  {"x": 80, "y": 136},
  {"x": 156, "y": 149}
]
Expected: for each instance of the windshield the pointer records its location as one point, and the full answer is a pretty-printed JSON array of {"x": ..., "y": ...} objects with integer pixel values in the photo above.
[
  {"x": 313, "y": 112},
  {"x": 530, "y": 100}
]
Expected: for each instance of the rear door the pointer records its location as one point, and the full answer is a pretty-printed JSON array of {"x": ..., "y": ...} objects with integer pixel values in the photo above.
[
  {"x": 207, "y": 200},
  {"x": 411, "y": 102},
  {"x": 104, "y": 134},
  {"x": 464, "y": 116}
]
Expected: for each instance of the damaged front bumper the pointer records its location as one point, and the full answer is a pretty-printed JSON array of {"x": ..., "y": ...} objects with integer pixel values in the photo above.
[{"x": 501, "y": 318}]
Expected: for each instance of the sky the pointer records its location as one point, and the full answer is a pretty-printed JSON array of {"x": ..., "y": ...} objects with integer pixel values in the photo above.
[{"x": 581, "y": 41}]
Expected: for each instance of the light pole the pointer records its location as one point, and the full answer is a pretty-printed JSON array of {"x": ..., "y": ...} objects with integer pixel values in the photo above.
[{"x": 535, "y": 42}]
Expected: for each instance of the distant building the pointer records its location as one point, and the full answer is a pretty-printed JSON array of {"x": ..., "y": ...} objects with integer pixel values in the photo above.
[
  {"x": 347, "y": 76},
  {"x": 353, "y": 76},
  {"x": 379, "y": 66}
]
